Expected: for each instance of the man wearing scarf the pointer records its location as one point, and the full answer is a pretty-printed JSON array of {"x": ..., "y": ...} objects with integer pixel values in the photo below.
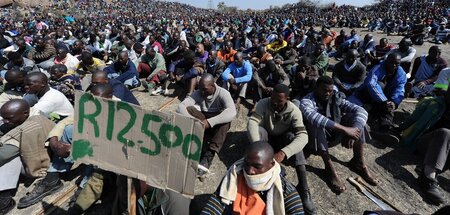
[
  {"x": 330, "y": 120},
  {"x": 254, "y": 185}
]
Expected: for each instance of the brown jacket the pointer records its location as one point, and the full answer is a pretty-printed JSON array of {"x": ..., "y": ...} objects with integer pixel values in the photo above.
[{"x": 31, "y": 136}]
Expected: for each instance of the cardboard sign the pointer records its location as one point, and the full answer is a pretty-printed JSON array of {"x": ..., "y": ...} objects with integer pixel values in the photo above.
[{"x": 162, "y": 149}]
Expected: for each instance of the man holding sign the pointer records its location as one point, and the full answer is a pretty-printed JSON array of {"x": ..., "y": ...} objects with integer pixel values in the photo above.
[{"x": 214, "y": 106}]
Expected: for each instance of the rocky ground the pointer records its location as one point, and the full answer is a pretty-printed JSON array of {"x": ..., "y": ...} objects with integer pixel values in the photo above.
[{"x": 395, "y": 166}]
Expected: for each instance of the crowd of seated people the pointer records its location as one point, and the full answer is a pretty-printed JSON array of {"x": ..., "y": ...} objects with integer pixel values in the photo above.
[{"x": 303, "y": 102}]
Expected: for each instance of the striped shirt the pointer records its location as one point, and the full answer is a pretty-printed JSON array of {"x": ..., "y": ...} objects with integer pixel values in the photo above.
[
  {"x": 292, "y": 202},
  {"x": 310, "y": 110}
]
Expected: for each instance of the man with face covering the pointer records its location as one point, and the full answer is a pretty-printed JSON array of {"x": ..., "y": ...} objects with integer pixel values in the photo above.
[
  {"x": 214, "y": 106},
  {"x": 331, "y": 119},
  {"x": 22, "y": 147},
  {"x": 255, "y": 185},
  {"x": 124, "y": 71},
  {"x": 280, "y": 122}
]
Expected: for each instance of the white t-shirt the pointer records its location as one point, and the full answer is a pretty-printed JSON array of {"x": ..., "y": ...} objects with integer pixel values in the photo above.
[{"x": 53, "y": 101}]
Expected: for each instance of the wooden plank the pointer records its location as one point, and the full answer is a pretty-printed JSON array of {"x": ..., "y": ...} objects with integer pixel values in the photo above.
[
  {"x": 60, "y": 200},
  {"x": 168, "y": 103}
]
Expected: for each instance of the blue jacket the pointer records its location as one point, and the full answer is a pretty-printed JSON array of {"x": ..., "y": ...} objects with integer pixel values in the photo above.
[
  {"x": 241, "y": 74},
  {"x": 393, "y": 91}
]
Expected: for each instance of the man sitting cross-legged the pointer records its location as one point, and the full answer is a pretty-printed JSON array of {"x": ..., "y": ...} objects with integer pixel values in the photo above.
[
  {"x": 280, "y": 122},
  {"x": 331, "y": 119},
  {"x": 255, "y": 185},
  {"x": 214, "y": 106}
]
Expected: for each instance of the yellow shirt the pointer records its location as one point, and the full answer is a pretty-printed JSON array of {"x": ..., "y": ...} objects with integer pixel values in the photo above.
[{"x": 97, "y": 65}]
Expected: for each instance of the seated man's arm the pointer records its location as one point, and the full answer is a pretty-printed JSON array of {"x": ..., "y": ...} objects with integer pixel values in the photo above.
[
  {"x": 415, "y": 67},
  {"x": 361, "y": 115},
  {"x": 301, "y": 136},
  {"x": 361, "y": 78},
  {"x": 313, "y": 117},
  {"x": 374, "y": 89},
  {"x": 227, "y": 72},
  {"x": 322, "y": 62},
  {"x": 228, "y": 114},
  {"x": 291, "y": 59},
  {"x": 258, "y": 80},
  {"x": 410, "y": 56},
  {"x": 254, "y": 121},
  {"x": 284, "y": 79},
  {"x": 192, "y": 73},
  {"x": 442, "y": 64},
  {"x": 58, "y": 130},
  {"x": 399, "y": 92},
  {"x": 248, "y": 74}
]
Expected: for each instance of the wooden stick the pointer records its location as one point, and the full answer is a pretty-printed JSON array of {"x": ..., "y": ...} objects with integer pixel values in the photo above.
[
  {"x": 167, "y": 103},
  {"x": 48, "y": 209},
  {"x": 132, "y": 210}
]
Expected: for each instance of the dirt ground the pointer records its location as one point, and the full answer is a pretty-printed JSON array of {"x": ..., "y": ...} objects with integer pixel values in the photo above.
[{"x": 396, "y": 167}]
